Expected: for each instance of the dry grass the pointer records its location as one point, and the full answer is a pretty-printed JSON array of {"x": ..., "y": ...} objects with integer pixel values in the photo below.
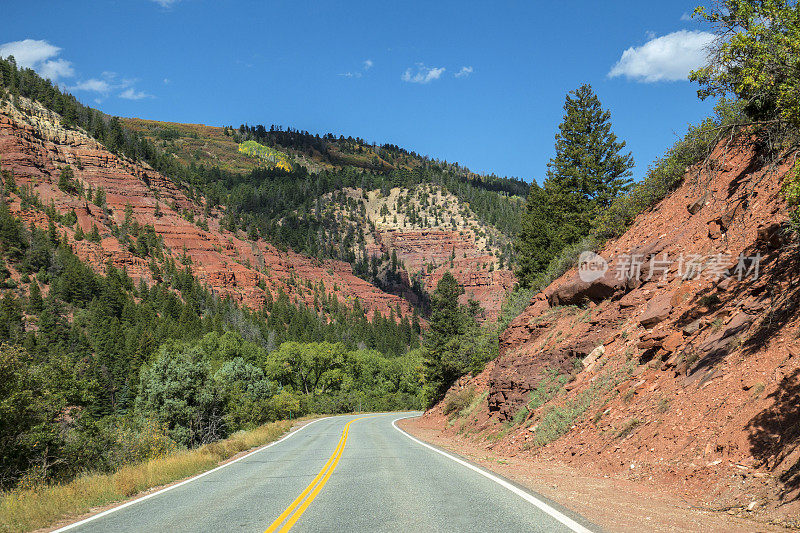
[{"x": 30, "y": 509}]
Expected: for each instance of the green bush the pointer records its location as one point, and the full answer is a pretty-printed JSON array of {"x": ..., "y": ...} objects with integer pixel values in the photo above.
[{"x": 457, "y": 402}]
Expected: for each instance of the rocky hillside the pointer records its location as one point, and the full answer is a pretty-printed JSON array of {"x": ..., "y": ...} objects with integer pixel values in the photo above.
[
  {"x": 429, "y": 231},
  {"x": 35, "y": 147},
  {"x": 678, "y": 365},
  {"x": 427, "y": 227}
]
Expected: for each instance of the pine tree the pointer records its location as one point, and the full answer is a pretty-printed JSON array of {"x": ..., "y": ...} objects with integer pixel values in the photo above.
[
  {"x": 588, "y": 171},
  {"x": 35, "y": 303},
  {"x": 66, "y": 181},
  {"x": 100, "y": 197},
  {"x": 94, "y": 236},
  {"x": 534, "y": 244},
  {"x": 446, "y": 325}
]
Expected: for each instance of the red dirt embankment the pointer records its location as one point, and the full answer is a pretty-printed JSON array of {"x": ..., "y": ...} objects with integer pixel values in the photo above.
[{"x": 689, "y": 384}]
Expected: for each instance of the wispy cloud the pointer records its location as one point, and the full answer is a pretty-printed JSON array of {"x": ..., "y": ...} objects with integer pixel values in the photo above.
[
  {"x": 93, "y": 85},
  {"x": 110, "y": 82},
  {"x": 132, "y": 94},
  {"x": 463, "y": 73},
  {"x": 166, "y": 3},
  {"x": 422, "y": 74},
  {"x": 365, "y": 66},
  {"x": 41, "y": 56},
  {"x": 687, "y": 17},
  {"x": 666, "y": 58}
]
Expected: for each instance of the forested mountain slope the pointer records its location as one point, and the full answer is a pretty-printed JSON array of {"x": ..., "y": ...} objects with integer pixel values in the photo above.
[
  {"x": 35, "y": 148},
  {"x": 133, "y": 324},
  {"x": 306, "y": 192}
]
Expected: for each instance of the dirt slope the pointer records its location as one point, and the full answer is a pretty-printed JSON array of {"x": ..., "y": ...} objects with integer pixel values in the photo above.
[
  {"x": 687, "y": 384},
  {"x": 34, "y": 146}
]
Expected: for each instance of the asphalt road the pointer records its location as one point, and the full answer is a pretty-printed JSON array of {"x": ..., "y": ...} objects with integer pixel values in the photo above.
[{"x": 334, "y": 475}]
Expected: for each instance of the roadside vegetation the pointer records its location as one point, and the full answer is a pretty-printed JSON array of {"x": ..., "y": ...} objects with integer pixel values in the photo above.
[
  {"x": 98, "y": 372},
  {"x": 455, "y": 343},
  {"x": 30, "y": 508}
]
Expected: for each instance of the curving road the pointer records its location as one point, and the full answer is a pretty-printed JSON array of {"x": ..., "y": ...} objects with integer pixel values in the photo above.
[{"x": 345, "y": 473}]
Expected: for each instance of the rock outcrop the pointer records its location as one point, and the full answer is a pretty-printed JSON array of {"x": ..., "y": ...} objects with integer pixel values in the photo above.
[{"x": 434, "y": 252}]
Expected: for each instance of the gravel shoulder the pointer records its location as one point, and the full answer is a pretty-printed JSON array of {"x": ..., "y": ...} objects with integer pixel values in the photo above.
[{"x": 614, "y": 504}]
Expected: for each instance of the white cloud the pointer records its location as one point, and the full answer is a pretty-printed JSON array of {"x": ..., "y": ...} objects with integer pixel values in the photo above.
[
  {"x": 110, "y": 82},
  {"x": 667, "y": 58},
  {"x": 94, "y": 85},
  {"x": 422, "y": 74},
  {"x": 132, "y": 94},
  {"x": 166, "y": 3},
  {"x": 29, "y": 52},
  {"x": 686, "y": 17},
  {"x": 365, "y": 66},
  {"x": 55, "y": 69},
  {"x": 464, "y": 72},
  {"x": 41, "y": 56}
]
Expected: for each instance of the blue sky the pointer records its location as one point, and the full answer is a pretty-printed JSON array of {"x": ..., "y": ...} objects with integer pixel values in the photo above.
[{"x": 475, "y": 82}]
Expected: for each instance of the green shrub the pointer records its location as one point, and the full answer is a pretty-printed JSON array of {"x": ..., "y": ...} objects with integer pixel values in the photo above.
[{"x": 458, "y": 401}]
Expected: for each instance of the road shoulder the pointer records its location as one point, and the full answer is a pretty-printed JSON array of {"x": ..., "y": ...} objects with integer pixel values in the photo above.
[
  {"x": 613, "y": 504},
  {"x": 74, "y": 519}
]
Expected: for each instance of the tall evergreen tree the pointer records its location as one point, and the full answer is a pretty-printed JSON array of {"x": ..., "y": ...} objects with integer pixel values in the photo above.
[
  {"x": 534, "y": 245},
  {"x": 35, "y": 302},
  {"x": 446, "y": 326},
  {"x": 66, "y": 180},
  {"x": 587, "y": 173}
]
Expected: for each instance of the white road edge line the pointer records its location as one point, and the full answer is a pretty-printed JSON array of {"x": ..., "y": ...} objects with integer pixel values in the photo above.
[
  {"x": 530, "y": 498},
  {"x": 184, "y": 482}
]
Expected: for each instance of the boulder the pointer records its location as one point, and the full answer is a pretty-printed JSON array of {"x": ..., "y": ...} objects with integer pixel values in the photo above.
[
  {"x": 593, "y": 356},
  {"x": 673, "y": 341},
  {"x": 576, "y": 291},
  {"x": 698, "y": 204},
  {"x": 714, "y": 230},
  {"x": 657, "y": 311},
  {"x": 692, "y": 327}
]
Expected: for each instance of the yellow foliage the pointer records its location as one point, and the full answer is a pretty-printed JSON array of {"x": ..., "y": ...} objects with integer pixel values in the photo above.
[{"x": 254, "y": 149}]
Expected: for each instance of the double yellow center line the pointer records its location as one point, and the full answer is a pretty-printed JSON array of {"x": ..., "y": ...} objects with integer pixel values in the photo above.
[{"x": 301, "y": 503}]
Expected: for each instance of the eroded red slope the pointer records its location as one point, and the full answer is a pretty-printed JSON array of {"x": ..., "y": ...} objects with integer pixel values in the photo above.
[
  {"x": 692, "y": 384},
  {"x": 34, "y": 146}
]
